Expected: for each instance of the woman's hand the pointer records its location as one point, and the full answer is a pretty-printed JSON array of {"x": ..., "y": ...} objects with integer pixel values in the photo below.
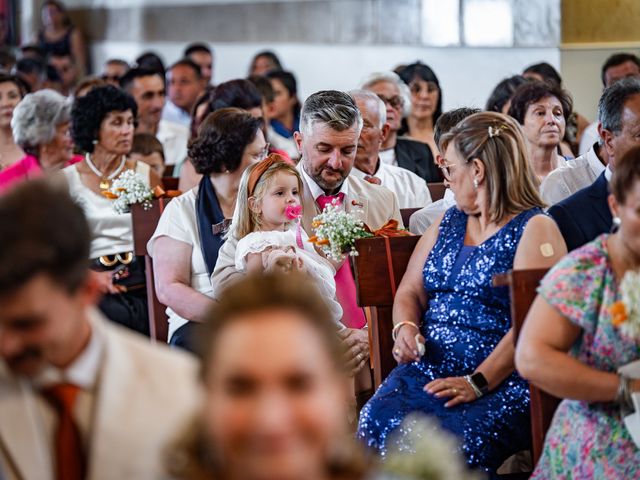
[
  {"x": 104, "y": 280},
  {"x": 456, "y": 389},
  {"x": 406, "y": 348}
]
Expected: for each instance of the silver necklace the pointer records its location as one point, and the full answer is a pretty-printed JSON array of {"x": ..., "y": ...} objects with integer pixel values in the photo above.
[{"x": 105, "y": 180}]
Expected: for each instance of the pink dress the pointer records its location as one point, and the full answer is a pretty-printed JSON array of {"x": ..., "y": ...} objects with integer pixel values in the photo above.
[{"x": 25, "y": 169}]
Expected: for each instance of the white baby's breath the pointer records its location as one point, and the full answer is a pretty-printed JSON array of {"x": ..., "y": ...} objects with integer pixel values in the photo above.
[
  {"x": 337, "y": 231},
  {"x": 130, "y": 188},
  {"x": 423, "y": 451}
]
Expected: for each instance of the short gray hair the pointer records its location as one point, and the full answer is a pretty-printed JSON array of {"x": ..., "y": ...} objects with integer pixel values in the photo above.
[
  {"x": 331, "y": 107},
  {"x": 367, "y": 96},
  {"x": 612, "y": 103},
  {"x": 394, "y": 78},
  {"x": 36, "y": 118}
]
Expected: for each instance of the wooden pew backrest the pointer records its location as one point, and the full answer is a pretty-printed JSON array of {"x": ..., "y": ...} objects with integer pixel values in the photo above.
[
  {"x": 522, "y": 290},
  {"x": 436, "y": 190},
  {"x": 378, "y": 269},
  {"x": 144, "y": 225}
]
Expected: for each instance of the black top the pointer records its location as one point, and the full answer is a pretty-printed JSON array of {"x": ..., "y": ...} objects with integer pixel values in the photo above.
[
  {"x": 585, "y": 214},
  {"x": 59, "y": 47},
  {"x": 417, "y": 157}
]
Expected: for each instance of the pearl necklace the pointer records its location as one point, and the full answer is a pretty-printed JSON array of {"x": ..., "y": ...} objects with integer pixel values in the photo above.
[{"x": 105, "y": 181}]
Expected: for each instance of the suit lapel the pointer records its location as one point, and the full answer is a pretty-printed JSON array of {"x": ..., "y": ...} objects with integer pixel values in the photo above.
[
  {"x": 357, "y": 200},
  {"x": 116, "y": 379},
  {"x": 600, "y": 192},
  {"x": 20, "y": 440}
]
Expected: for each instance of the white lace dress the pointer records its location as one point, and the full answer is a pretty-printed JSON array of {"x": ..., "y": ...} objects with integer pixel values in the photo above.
[{"x": 306, "y": 257}]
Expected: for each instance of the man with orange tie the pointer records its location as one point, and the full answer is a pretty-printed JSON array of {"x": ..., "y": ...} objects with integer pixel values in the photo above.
[
  {"x": 80, "y": 398},
  {"x": 330, "y": 124}
]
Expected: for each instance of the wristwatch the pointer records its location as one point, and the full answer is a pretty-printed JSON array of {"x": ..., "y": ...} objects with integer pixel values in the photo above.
[{"x": 480, "y": 382}]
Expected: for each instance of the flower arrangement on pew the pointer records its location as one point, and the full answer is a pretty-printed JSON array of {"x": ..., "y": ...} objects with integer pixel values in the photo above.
[
  {"x": 337, "y": 230},
  {"x": 425, "y": 452},
  {"x": 626, "y": 312},
  {"x": 130, "y": 188}
]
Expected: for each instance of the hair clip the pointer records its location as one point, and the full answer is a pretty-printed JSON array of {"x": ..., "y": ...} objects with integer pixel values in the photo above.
[{"x": 495, "y": 131}]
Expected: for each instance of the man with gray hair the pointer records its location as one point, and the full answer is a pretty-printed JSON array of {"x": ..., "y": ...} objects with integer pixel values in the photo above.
[
  {"x": 410, "y": 189},
  {"x": 330, "y": 125},
  {"x": 585, "y": 214},
  {"x": 405, "y": 153}
]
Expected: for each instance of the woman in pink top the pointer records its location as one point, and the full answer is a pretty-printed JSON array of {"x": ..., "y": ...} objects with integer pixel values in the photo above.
[{"x": 41, "y": 128}]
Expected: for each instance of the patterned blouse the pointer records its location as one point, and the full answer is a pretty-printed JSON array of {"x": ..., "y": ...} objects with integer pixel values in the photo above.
[{"x": 589, "y": 440}]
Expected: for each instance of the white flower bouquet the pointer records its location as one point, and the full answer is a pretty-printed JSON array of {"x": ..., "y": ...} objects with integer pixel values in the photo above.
[
  {"x": 128, "y": 189},
  {"x": 336, "y": 231},
  {"x": 423, "y": 451},
  {"x": 626, "y": 312}
]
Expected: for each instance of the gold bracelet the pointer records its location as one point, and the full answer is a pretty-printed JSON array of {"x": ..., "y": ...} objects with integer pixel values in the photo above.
[{"x": 396, "y": 328}]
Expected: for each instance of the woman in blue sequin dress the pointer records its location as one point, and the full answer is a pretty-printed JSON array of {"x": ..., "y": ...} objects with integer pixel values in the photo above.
[{"x": 497, "y": 225}]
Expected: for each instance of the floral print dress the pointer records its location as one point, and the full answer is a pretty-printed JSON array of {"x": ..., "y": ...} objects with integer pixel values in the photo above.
[{"x": 589, "y": 440}]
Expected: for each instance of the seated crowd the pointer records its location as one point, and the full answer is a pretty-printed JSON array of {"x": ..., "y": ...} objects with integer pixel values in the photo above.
[{"x": 269, "y": 372}]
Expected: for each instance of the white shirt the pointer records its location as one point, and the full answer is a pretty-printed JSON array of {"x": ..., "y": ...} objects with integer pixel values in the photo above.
[
  {"x": 316, "y": 191},
  {"x": 112, "y": 232},
  {"x": 288, "y": 145},
  {"x": 575, "y": 175},
  {"x": 174, "y": 114},
  {"x": 410, "y": 189},
  {"x": 180, "y": 222},
  {"x": 174, "y": 138},
  {"x": 588, "y": 138},
  {"x": 83, "y": 373},
  {"x": 388, "y": 157},
  {"x": 425, "y": 217}
]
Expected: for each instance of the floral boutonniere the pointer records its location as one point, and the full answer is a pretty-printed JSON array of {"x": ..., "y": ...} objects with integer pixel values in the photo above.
[{"x": 626, "y": 312}]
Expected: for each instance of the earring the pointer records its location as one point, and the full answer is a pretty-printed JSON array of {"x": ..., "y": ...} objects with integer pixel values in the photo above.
[
  {"x": 615, "y": 226},
  {"x": 475, "y": 183},
  {"x": 95, "y": 142}
]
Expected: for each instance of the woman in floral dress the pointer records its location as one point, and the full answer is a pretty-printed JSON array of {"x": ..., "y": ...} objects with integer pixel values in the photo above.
[{"x": 572, "y": 347}]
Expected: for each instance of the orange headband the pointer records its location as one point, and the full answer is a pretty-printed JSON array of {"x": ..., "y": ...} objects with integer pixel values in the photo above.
[{"x": 259, "y": 170}]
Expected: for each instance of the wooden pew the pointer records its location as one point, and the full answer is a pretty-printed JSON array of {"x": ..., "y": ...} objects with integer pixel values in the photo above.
[
  {"x": 436, "y": 190},
  {"x": 406, "y": 213},
  {"x": 522, "y": 290},
  {"x": 144, "y": 224},
  {"x": 378, "y": 269}
]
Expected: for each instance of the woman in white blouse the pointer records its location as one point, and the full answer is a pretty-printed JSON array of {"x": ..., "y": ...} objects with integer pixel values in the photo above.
[
  {"x": 102, "y": 127},
  {"x": 191, "y": 230}
]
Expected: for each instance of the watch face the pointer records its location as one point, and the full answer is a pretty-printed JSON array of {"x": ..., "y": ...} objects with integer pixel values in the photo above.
[{"x": 480, "y": 381}]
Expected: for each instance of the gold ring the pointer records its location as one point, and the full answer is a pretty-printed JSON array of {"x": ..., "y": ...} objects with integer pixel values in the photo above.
[{"x": 455, "y": 391}]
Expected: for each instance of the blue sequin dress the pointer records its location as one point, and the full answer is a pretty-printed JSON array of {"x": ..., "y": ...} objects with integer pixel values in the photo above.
[{"x": 464, "y": 322}]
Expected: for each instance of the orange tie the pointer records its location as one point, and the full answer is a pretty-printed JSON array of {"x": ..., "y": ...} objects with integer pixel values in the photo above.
[{"x": 69, "y": 462}]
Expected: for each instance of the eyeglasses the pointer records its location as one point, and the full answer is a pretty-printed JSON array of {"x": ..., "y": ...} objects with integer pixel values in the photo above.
[
  {"x": 446, "y": 168},
  {"x": 395, "y": 101},
  {"x": 264, "y": 153}
]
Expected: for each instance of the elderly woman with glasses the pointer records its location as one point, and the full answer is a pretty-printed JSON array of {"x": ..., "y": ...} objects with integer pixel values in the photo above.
[
  {"x": 453, "y": 339},
  {"x": 40, "y": 126},
  {"x": 399, "y": 151},
  {"x": 192, "y": 228}
]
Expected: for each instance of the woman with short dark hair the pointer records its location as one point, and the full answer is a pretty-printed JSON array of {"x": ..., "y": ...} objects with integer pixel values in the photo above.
[
  {"x": 542, "y": 109},
  {"x": 191, "y": 230},
  {"x": 102, "y": 127}
]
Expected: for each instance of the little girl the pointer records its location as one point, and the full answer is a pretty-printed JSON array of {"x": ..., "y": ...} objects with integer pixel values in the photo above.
[{"x": 265, "y": 222}]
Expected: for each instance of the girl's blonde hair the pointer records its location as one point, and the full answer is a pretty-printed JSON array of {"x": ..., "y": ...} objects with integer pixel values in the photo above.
[
  {"x": 245, "y": 220},
  {"x": 498, "y": 142}
]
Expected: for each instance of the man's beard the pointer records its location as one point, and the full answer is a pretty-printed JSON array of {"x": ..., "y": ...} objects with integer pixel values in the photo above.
[
  {"x": 18, "y": 363},
  {"x": 322, "y": 183}
]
